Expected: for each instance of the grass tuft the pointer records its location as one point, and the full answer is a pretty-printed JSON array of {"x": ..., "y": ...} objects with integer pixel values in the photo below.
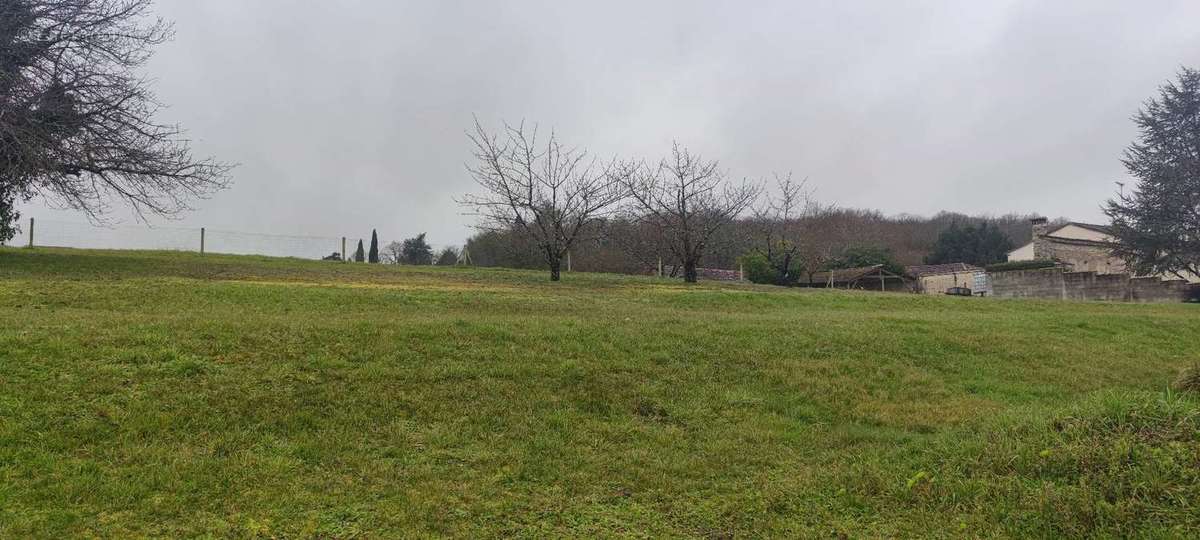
[{"x": 1188, "y": 379}]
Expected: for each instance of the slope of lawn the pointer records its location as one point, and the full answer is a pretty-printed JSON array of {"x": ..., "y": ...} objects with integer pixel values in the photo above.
[{"x": 173, "y": 394}]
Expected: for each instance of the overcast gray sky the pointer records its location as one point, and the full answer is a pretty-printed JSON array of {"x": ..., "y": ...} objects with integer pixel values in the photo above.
[{"x": 350, "y": 115}]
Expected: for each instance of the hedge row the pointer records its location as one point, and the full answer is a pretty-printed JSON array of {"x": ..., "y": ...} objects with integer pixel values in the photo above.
[{"x": 1020, "y": 265}]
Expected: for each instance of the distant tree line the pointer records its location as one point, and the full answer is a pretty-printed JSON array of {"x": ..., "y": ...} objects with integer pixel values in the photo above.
[
  {"x": 541, "y": 202},
  {"x": 414, "y": 251},
  {"x": 840, "y": 238}
]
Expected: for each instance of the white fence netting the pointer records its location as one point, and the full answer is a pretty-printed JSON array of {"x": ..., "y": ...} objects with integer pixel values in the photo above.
[{"x": 55, "y": 233}]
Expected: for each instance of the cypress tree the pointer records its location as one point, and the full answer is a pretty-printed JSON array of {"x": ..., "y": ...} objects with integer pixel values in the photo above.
[
  {"x": 373, "y": 255},
  {"x": 358, "y": 254}
]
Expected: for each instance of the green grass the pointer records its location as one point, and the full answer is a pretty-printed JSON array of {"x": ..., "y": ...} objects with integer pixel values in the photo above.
[{"x": 172, "y": 394}]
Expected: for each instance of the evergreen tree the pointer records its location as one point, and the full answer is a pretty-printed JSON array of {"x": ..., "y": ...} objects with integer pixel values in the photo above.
[
  {"x": 979, "y": 245},
  {"x": 416, "y": 250},
  {"x": 1156, "y": 225},
  {"x": 359, "y": 256},
  {"x": 448, "y": 257},
  {"x": 373, "y": 255}
]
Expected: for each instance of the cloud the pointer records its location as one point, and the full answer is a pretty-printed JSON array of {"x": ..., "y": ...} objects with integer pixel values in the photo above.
[{"x": 348, "y": 116}]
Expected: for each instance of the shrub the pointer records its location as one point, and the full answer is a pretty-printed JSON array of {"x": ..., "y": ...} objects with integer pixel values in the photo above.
[
  {"x": 1021, "y": 265},
  {"x": 758, "y": 269}
]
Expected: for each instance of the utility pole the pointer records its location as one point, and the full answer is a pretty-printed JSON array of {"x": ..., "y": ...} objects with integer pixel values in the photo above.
[
  {"x": 343, "y": 249},
  {"x": 202, "y": 240},
  {"x": 30, "y": 232}
]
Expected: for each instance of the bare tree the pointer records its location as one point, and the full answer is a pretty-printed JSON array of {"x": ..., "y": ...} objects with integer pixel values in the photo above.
[
  {"x": 77, "y": 122},
  {"x": 551, "y": 193},
  {"x": 688, "y": 199},
  {"x": 824, "y": 234},
  {"x": 642, "y": 246},
  {"x": 392, "y": 253},
  {"x": 779, "y": 225}
]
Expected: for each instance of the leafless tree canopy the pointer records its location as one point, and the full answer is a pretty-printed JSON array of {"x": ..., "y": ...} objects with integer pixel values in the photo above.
[
  {"x": 688, "y": 199},
  {"x": 780, "y": 226},
  {"x": 76, "y": 120},
  {"x": 551, "y": 193}
]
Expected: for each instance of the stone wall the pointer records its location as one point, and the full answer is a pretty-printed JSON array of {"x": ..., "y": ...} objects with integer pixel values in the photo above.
[
  {"x": 717, "y": 274},
  {"x": 1056, "y": 283},
  {"x": 937, "y": 284},
  {"x": 1085, "y": 258}
]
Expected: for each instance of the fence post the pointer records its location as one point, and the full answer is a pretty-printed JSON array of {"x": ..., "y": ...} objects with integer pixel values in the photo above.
[
  {"x": 30, "y": 232},
  {"x": 741, "y": 272},
  {"x": 202, "y": 240},
  {"x": 568, "y": 261}
]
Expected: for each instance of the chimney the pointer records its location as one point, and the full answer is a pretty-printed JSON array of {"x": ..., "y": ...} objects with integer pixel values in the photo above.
[{"x": 1041, "y": 247}]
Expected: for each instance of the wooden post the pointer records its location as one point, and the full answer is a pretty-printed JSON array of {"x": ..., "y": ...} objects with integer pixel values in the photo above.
[
  {"x": 30, "y": 232},
  {"x": 343, "y": 249},
  {"x": 660, "y": 270},
  {"x": 881, "y": 285},
  {"x": 741, "y": 272},
  {"x": 202, "y": 240},
  {"x": 568, "y": 261}
]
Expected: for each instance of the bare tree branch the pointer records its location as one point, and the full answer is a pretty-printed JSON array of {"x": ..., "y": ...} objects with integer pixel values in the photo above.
[{"x": 77, "y": 123}]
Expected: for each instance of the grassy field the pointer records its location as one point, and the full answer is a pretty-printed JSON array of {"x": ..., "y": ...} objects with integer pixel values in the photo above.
[{"x": 172, "y": 394}]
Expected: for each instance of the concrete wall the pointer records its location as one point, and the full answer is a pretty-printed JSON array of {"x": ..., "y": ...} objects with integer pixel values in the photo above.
[{"x": 1055, "y": 283}]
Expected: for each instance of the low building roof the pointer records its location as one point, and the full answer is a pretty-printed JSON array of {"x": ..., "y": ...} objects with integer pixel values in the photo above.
[
  {"x": 922, "y": 270},
  {"x": 847, "y": 275},
  {"x": 1102, "y": 229}
]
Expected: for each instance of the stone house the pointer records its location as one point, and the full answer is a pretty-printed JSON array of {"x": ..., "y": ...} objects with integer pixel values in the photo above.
[
  {"x": 1082, "y": 247},
  {"x": 936, "y": 278}
]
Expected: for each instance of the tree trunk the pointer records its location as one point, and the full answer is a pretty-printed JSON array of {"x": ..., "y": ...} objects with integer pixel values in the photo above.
[
  {"x": 689, "y": 271},
  {"x": 555, "y": 267}
]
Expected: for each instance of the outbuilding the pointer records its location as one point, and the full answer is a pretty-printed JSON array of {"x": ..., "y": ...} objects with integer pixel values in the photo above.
[
  {"x": 939, "y": 278},
  {"x": 870, "y": 278}
]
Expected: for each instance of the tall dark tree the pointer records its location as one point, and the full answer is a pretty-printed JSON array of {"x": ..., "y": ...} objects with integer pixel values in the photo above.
[
  {"x": 77, "y": 122},
  {"x": 359, "y": 254},
  {"x": 1157, "y": 224},
  {"x": 373, "y": 254},
  {"x": 980, "y": 245},
  {"x": 550, "y": 193}
]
